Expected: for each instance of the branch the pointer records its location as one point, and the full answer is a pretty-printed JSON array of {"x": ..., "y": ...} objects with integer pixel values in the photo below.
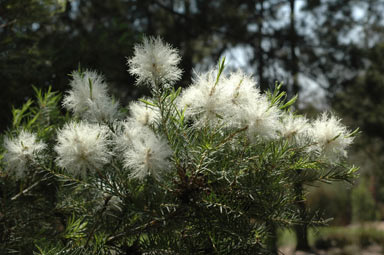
[
  {"x": 28, "y": 189},
  {"x": 8, "y": 23}
]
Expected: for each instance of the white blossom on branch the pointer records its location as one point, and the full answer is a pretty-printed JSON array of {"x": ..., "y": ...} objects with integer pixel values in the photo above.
[
  {"x": 262, "y": 119},
  {"x": 143, "y": 113},
  {"x": 82, "y": 147},
  {"x": 331, "y": 138},
  {"x": 21, "y": 151},
  {"x": 296, "y": 129},
  {"x": 205, "y": 101},
  {"x": 147, "y": 154},
  {"x": 89, "y": 99},
  {"x": 155, "y": 63}
]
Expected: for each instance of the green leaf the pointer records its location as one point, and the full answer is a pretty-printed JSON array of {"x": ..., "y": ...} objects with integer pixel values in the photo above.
[
  {"x": 289, "y": 103},
  {"x": 33, "y": 120},
  {"x": 354, "y": 133},
  {"x": 221, "y": 69},
  {"x": 20, "y": 114},
  {"x": 75, "y": 228},
  {"x": 147, "y": 102}
]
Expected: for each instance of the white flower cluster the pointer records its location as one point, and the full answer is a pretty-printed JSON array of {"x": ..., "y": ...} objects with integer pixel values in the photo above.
[
  {"x": 330, "y": 137},
  {"x": 234, "y": 101},
  {"x": 155, "y": 63},
  {"x": 21, "y": 152},
  {"x": 296, "y": 129},
  {"x": 147, "y": 154},
  {"x": 144, "y": 114},
  {"x": 143, "y": 152},
  {"x": 326, "y": 137},
  {"x": 83, "y": 147},
  {"x": 204, "y": 99},
  {"x": 89, "y": 98},
  {"x": 231, "y": 101}
]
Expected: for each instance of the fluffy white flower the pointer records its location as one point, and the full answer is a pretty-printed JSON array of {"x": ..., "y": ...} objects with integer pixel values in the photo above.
[
  {"x": 143, "y": 113},
  {"x": 206, "y": 100},
  {"x": 229, "y": 101},
  {"x": 82, "y": 146},
  {"x": 126, "y": 132},
  {"x": 89, "y": 98},
  {"x": 295, "y": 128},
  {"x": 241, "y": 92},
  {"x": 155, "y": 63},
  {"x": 233, "y": 101},
  {"x": 330, "y": 137},
  {"x": 147, "y": 154},
  {"x": 21, "y": 151},
  {"x": 262, "y": 118}
]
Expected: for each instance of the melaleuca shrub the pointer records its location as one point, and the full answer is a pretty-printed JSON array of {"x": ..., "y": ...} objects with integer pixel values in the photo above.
[{"x": 209, "y": 169}]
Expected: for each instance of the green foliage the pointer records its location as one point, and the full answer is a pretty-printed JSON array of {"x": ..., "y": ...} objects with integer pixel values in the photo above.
[
  {"x": 41, "y": 41},
  {"x": 362, "y": 106},
  {"x": 332, "y": 201},
  {"x": 222, "y": 198},
  {"x": 352, "y": 239},
  {"x": 32, "y": 200},
  {"x": 363, "y": 205},
  {"x": 21, "y": 59},
  {"x": 75, "y": 229},
  {"x": 42, "y": 114},
  {"x": 218, "y": 191},
  {"x": 344, "y": 237}
]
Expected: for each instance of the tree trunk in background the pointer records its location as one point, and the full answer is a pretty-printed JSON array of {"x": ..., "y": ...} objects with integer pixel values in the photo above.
[
  {"x": 302, "y": 229},
  {"x": 293, "y": 42},
  {"x": 188, "y": 51},
  {"x": 272, "y": 241},
  {"x": 260, "y": 66}
]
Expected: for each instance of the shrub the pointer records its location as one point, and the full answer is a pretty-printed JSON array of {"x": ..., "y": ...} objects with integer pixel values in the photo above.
[
  {"x": 363, "y": 205},
  {"x": 210, "y": 169},
  {"x": 341, "y": 237}
]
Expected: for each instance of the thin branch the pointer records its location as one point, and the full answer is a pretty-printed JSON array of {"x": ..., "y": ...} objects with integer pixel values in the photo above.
[
  {"x": 8, "y": 23},
  {"x": 28, "y": 189}
]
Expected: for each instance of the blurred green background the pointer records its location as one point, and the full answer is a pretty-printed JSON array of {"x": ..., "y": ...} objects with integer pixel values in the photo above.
[{"x": 331, "y": 52}]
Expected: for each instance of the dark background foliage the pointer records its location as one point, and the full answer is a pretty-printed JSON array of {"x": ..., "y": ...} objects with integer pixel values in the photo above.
[{"x": 326, "y": 42}]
